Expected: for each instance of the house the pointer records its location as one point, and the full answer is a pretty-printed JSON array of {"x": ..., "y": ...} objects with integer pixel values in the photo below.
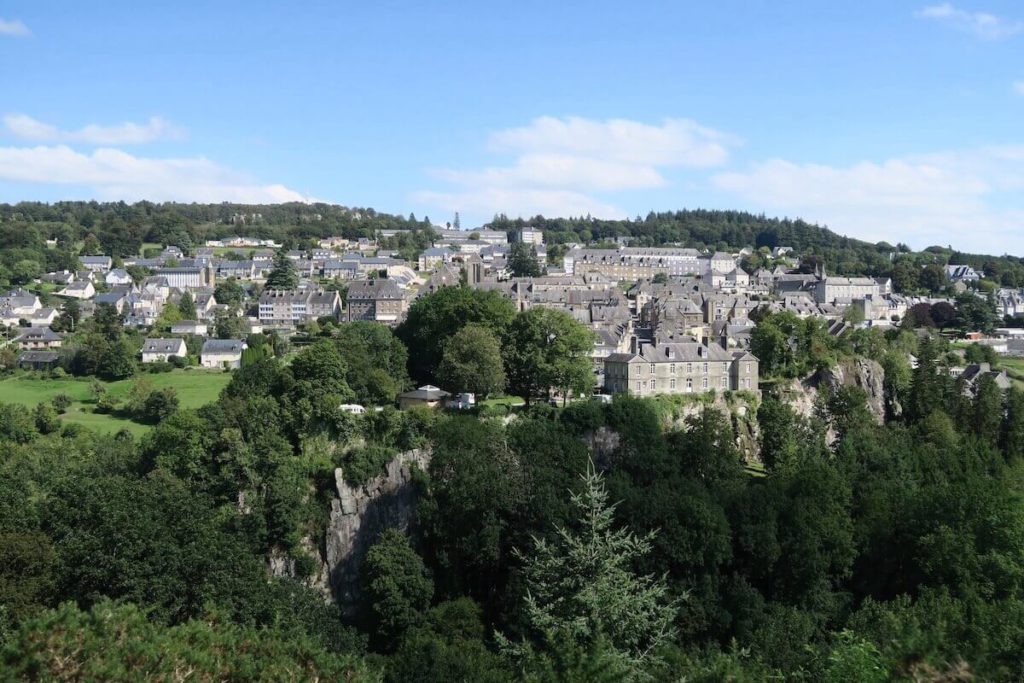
[
  {"x": 427, "y": 396},
  {"x": 292, "y": 306},
  {"x": 44, "y": 317},
  {"x": 79, "y": 289},
  {"x": 96, "y": 264},
  {"x": 113, "y": 298},
  {"x": 20, "y": 302},
  {"x": 530, "y": 235},
  {"x": 118, "y": 276},
  {"x": 679, "y": 368},
  {"x": 154, "y": 350},
  {"x": 196, "y": 327},
  {"x": 352, "y": 408},
  {"x": 240, "y": 270},
  {"x": 222, "y": 353},
  {"x": 973, "y": 374},
  {"x": 38, "y": 360},
  {"x": 433, "y": 257},
  {"x": 61, "y": 277},
  {"x": 377, "y": 300},
  {"x": 39, "y": 338},
  {"x": 962, "y": 273},
  {"x": 338, "y": 269}
]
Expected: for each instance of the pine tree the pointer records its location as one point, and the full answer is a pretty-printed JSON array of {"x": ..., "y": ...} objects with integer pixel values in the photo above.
[
  {"x": 187, "y": 307},
  {"x": 583, "y": 596},
  {"x": 283, "y": 275}
]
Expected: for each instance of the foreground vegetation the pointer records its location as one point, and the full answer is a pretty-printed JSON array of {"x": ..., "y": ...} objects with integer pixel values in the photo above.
[{"x": 860, "y": 551}]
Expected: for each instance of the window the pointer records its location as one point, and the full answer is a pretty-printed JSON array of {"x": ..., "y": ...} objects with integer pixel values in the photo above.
[
  {"x": 725, "y": 382},
  {"x": 672, "y": 368},
  {"x": 704, "y": 383},
  {"x": 689, "y": 368},
  {"x": 638, "y": 386},
  {"x": 654, "y": 384},
  {"x": 672, "y": 384},
  {"x": 652, "y": 368},
  {"x": 689, "y": 384},
  {"x": 747, "y": 366},
  {"x": 705, "y": 368}
]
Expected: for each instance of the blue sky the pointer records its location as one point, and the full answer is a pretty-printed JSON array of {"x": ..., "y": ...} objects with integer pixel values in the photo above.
[{"x": 901, "y": 121}]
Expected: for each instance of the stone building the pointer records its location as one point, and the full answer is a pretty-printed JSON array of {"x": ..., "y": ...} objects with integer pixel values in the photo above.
[{"x": 679, "y": 368}]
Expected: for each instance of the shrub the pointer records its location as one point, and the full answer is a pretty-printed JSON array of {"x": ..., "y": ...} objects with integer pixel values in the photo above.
[
  {"x": 160, "y": 366},
  {"x": 363, "y": 464},
  {"x": 61, "y": 402}
]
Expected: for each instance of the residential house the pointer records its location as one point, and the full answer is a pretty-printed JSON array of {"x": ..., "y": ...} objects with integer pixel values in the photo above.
[
  {"x": 431, "y": 258},
  {"x": 96, "y": 264},
  {"x": 192, "y": 327},
  {"x": 973, "y": 374},
  {"x": 38, "y": 360},
  {"x": 79, "y": 289},
  {"x": 222, "y": 353},
  {"x": 21, "y": 302},
  {"x": 39, "y": 338},
  {"x": 44, "y": 317},
  {"x": 154, "y": 350},
  {"x": 118, "y": 276},
  {"x": 962, "y": 273}
]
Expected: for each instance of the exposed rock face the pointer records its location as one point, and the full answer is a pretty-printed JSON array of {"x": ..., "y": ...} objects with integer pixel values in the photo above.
[
  {"x": 802, "y": 395},
  {"x": 859, "y": 372},
  {"x": 742, "y": 413},
  {"x": 360, "y": 514},
  {"x": 282, "y": 565}
]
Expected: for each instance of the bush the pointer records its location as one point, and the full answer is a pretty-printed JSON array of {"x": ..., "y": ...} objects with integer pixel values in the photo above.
[
  {"x": 363, "y": 464},
  {"x": 159, "y": 405},
  {"x": 179, "y": 362},
  {"x": 61, "y": 403},
  {"x": 160, "y": 366},
  {"x": 47, "y": 421}
]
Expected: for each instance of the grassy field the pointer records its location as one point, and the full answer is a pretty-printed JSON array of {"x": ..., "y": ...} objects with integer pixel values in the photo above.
[
  {"x": 194, "y": 387},
  {"x": 1014, "y": 368}
]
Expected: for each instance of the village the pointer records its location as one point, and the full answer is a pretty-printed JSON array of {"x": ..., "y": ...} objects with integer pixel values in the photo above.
[{"x": 665, "y": 320}]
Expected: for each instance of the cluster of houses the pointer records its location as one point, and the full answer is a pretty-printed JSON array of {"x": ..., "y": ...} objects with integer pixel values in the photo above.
[{"x": 666, "y": 320}]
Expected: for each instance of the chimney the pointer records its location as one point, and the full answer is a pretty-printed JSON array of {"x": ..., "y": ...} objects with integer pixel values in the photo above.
[{"x": 632, "y": 344}]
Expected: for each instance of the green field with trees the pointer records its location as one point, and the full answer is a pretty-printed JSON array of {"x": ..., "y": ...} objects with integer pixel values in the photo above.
[{"x": 194, "y": 388}]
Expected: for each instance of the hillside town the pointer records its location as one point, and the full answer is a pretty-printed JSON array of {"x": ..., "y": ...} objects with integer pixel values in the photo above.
[{"x": 664, "y": 320}]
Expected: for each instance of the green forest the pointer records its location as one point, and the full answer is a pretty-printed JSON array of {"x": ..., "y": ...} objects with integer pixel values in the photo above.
[
  {"x": 874, "y": 539},
  {"x": 628, "y": 541}
]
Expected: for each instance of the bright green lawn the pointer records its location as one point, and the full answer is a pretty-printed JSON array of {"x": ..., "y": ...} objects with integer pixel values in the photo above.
[
  {"x": 195, "y": 388},
  {"x": 1014, "y": 368}
]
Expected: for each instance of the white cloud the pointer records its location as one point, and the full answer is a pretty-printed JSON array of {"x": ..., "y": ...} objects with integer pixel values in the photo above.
[
  {"x": 980, "y": 24},
  {"x": 676, "y": 142},
  {"x": 127, "y": 133},
  {"x": 114, "y": 174},
  {"x": 558, "y": 163},
  {"x": 14, "y": 28},
  {"x": 965, "y": 198}
]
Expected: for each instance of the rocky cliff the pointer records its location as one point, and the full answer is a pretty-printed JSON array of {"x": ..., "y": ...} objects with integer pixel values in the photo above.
[
  {"x": 360, "y": 514},
  {"x": 803, "y": 394}
]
